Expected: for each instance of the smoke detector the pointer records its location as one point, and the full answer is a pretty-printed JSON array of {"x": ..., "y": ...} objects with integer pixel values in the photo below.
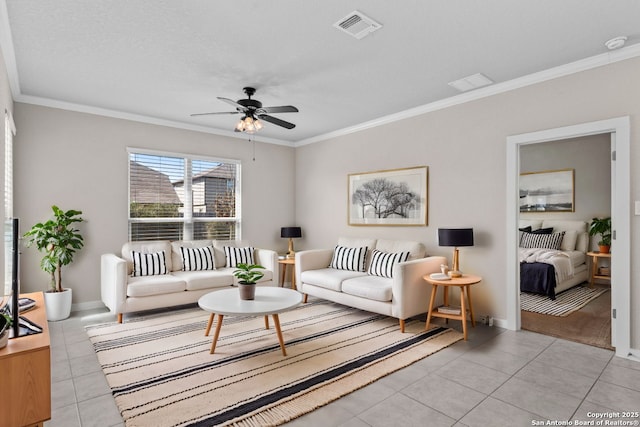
[
  {"x": 615, "y": 43},
  {"x": 357, "y": 24}
]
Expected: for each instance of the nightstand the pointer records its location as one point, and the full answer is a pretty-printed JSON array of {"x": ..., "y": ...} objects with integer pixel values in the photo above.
[
  {"x": 464, "y": 284},
  {"x": 595, "y": 257}
]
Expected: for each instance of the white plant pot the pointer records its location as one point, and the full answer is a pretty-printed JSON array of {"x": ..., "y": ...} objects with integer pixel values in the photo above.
[
  {"x": 58, "y": 304},
  {"x": 4, "y": 339}
]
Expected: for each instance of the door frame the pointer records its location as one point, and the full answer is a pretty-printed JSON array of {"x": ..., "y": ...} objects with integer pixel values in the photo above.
[{"x": 619, "y": 128}]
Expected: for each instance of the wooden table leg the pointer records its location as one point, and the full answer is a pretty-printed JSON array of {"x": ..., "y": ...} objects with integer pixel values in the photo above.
[
  {"x": 283, "y": 273},
  {"x": 594, "y": 270},
  {"x": 216, "y": 334},
  {"x": 446, "y": 301},
  {"x": 209, "y": 323},
  {"x": 463, "y": 312},
  {"x": 293, "y": 278},
  {"x": 276, "y": 322},
  {"x": 434, "y": 289},
  {"x": 266, "y": 322},
  {"x": 468, "y": 290}
]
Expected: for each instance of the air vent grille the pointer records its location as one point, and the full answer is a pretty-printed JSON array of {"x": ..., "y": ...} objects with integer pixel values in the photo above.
[{"x": 357, "y": 25}]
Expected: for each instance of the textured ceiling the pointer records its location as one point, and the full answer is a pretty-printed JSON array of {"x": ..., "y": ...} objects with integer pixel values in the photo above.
[{"x": 164, "y": 60}]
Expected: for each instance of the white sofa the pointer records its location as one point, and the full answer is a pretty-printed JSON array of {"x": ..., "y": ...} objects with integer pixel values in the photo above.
[
  {"x": 123, "y": 293},
  {"x": 402, "y": 296}
]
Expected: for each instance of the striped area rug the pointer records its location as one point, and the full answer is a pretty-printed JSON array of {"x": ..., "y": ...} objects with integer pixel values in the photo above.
[
  {"x": 161, "y": 373},
  {"x": 566, "y": 302}
]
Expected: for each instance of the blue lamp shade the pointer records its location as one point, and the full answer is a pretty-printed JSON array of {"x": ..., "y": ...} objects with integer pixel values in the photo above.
[
  {"x": 455, "y": 237},
  {"x": 290, "y": 232}
]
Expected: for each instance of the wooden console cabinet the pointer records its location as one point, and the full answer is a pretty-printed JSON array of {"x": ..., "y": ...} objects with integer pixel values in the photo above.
[{"x": 25, "y": 373}]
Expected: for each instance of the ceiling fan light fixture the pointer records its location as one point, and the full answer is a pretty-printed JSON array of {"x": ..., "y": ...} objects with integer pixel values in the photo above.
[{"x": 248, "y": 124}]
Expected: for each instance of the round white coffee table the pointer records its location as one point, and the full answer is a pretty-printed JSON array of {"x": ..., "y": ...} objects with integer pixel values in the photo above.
[{"x": 268, "y": 301}]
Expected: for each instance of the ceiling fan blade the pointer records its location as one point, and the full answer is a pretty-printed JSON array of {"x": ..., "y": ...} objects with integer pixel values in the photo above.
[
  {"x": 207, "y": 114},
  {"x": 276, "y": 121},
  {"x": 232, "y": 102},
  {"x": 281, "y": 109}
]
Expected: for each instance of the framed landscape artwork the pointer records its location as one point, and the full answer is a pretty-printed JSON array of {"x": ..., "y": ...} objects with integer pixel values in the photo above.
[
  {"x": 388, "y": 197},
  {"x": 548, "y": 191}
]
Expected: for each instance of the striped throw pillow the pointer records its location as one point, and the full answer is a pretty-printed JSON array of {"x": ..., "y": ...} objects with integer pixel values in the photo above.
[
  {"x": 148, "y": 264},
  {"x": 542, "y": 241},
  {"x": 235, "y": 256},
  {"x": 382, "y": 262},
  {"x": 196, "y": 259},
  {"x": 349, "y": 258}
]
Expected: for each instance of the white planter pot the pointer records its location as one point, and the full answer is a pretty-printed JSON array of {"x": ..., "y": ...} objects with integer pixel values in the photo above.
[
  {"x": 58, "y": 304},
  {"x": 4, "y": 339}
]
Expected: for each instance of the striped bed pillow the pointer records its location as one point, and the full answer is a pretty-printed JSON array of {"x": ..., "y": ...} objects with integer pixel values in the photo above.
[
  {"x": 352, "y": 259},
  {"x": 145, "y": 264},
  {"x": 235, "y": 256},
  {"x": 382, "y": 262},
  {"x": 197, "y": 259},
  {"x": 542, "y": 241}
]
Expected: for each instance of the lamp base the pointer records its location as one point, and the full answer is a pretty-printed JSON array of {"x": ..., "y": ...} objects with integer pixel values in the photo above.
[
  {"x": 455, "y": 274},
  {"x": 291, "y": 255}
]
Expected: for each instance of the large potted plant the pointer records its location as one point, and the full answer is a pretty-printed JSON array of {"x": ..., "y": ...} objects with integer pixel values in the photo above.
[
  {"x": 59, "y": 241},
  {"x": 602, "y": 226},
  {"x": 248, "y": 275}
]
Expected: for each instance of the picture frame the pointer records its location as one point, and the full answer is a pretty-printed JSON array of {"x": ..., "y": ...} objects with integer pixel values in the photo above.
[
  {"x": 394, "y": 197},
  {"x": 547, "y": 191}
]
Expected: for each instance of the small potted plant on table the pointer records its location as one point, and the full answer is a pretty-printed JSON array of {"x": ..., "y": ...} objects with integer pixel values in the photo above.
[
  {"x": 59, "y": 241},
  {"x": 602, "y": 226},
  {"x": 248, "y": 275}
]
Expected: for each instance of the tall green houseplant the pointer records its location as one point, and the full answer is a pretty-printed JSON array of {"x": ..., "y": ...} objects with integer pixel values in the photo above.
[
  {"x": 58, "y": 240},
  {"x": 601, "y": 226}
]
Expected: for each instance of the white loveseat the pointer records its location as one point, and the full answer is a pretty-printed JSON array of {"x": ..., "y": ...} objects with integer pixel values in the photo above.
[
  {"x": 123, "y": 293},
  {"x": 402, "y": 296}
]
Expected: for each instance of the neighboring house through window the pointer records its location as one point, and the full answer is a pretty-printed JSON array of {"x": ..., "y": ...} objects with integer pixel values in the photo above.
[{"x": 182, "y": 197}]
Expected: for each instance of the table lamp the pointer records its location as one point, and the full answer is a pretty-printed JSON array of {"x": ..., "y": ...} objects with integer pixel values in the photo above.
[
  {"x": 455, "y": 237},
  {"x": 291, "y": 233}
]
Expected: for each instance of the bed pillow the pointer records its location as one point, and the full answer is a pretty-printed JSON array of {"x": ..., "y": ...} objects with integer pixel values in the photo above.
[
  {"x": 235, "y": 256},
  {"x": 197, "y": 259},
  {"x": 542, "y": 241},
  {"x": 543, "y": 231},
  {"x": 148, "y": 264},
  {"x": 569, "y": 240},
  {"x": 352, "y": 259},
  {"x": 382, "y": 262}
]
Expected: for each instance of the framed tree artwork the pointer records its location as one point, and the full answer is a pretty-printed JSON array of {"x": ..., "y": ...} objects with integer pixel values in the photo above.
[
  {"x": 547, "y": 191},
  {"x": 388, "y": 197}
]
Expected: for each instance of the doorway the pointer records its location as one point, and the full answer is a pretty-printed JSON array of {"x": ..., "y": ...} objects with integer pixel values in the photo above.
[
  {"x": 585, "y": 316},
  {"x": 618, "y": 128}
]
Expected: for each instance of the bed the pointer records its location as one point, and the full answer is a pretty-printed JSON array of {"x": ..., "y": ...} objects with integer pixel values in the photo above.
[{"x": 553, "y": 255}]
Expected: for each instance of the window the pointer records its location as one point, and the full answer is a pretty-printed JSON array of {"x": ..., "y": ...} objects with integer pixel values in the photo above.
[
  {"x": 9, "y": 131},
  {"x": 180, "y": 197}
]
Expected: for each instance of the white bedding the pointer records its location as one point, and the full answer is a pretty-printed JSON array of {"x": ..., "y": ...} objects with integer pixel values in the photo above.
[{"x": 562, "y": 262}]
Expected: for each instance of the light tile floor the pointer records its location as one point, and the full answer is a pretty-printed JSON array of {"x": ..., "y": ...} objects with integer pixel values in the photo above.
[{"x": 496, "y": 378}]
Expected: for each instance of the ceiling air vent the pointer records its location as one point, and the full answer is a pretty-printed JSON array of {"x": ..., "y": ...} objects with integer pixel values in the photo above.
[{"x": 357, "y": 24}]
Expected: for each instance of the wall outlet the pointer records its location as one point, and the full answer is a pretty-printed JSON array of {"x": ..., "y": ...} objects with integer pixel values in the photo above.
[{"x": 486, "y": 319}]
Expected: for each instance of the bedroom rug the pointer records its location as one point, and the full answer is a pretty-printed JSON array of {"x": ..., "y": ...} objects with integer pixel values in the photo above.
[
  {"x": 565, "y": 303},
  {"x": 161, "y": 373}
]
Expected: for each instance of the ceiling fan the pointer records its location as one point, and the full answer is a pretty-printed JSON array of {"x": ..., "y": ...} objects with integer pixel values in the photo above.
[{"x": 253, "y": 110}]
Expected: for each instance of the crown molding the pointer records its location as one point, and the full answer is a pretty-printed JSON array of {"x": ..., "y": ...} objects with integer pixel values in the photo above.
[
  {"x": 46, "y": 102},
  {"x": 528, "y": 80}
]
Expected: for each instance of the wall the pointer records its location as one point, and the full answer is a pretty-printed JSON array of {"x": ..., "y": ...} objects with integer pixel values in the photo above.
[
  {"x": 79, "y": 161},
  {"x": 465, "y": 149},
  {"x": 589, "y": 156}
]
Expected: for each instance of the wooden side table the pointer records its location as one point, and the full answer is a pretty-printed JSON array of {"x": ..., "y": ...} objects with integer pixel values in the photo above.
[
  {"x": 464, "y": 284},
  {"x": 595, "y": 256},
  {"x": 285, "y": 262}
]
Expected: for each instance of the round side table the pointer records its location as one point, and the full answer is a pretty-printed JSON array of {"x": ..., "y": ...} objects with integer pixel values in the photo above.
[{"x": 464, "y": 284}]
